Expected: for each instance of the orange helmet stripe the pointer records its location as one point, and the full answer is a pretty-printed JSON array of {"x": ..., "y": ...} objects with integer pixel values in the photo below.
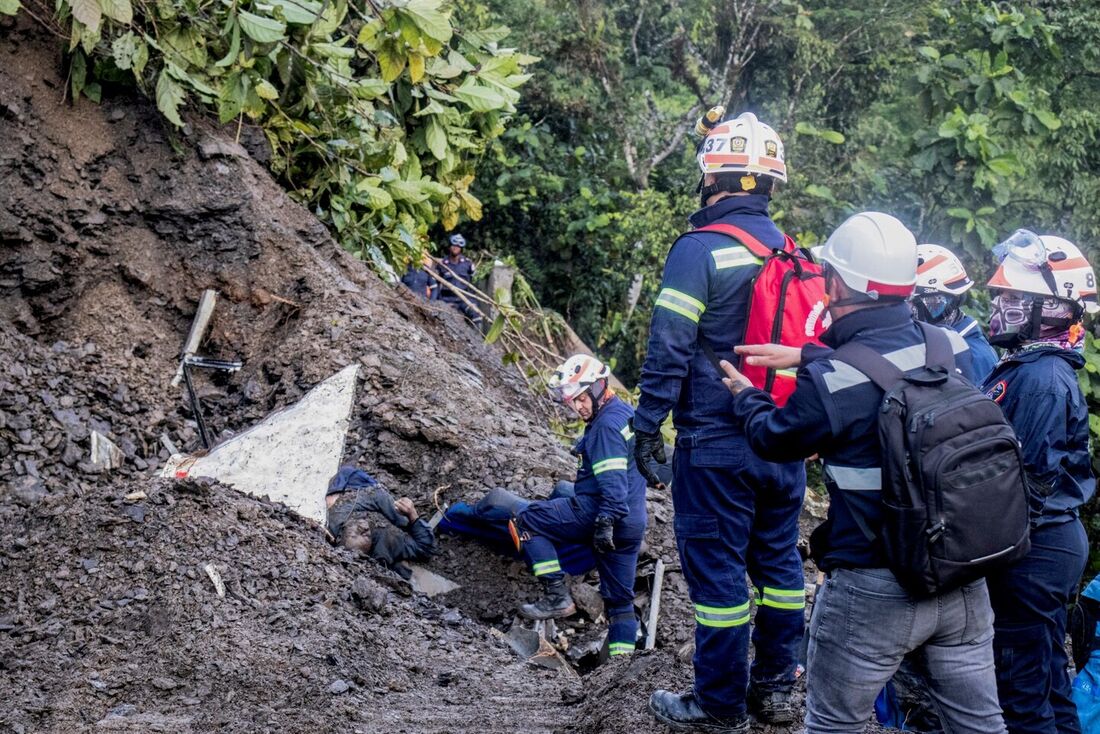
[
  {"x": 929, "y": 264},
  {"x": 1069, "y": 264}
]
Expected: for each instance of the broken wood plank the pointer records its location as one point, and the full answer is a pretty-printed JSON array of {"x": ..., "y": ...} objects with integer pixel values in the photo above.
[
  {"x": 654, "y": 605},
  {"x": 198, "y": 328}
]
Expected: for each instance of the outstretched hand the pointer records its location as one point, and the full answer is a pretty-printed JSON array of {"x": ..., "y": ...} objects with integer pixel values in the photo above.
[
  {"x": 772, "y": 356},
  {"x": 734, "y": 381}
]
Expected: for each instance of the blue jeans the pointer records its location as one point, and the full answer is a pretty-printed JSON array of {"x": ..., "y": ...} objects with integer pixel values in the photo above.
[
  {"x": 864, "y": 623},
  {"x": 1029, "y": 600}
]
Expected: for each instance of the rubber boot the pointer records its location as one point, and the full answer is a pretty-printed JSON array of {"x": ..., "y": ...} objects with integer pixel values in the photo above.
[
  {"x": 771, "y": 707},
  {"x": 682, "y": 712},
  {"x": 556, "y": 602}
]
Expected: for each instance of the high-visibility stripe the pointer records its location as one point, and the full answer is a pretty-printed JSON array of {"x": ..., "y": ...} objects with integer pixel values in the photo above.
[
  {"x": 545, "y": 567},
  {"x": 621, "y": 648},
  {"x": 681, "y": 303},
  {"x": 782, "y": 598},
  {"x": 844, "y": 375},
  {"x": 617, "y": 463},
  {"x": 857, "y": 478},
  {"x": 732, "y": 257},
  {"x": 722, "y": 616},
  {"x": 627, "y": 433}
]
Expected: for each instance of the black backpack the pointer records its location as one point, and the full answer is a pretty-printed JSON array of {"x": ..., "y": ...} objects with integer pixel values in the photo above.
[{"x": 955, "y": 501}]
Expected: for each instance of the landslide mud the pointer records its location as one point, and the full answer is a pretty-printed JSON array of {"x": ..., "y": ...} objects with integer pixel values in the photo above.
[{"x": 111, "y": 226}]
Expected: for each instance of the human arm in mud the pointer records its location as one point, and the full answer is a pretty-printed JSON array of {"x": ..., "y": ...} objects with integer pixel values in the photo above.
[{"x": 420, "y": 540}]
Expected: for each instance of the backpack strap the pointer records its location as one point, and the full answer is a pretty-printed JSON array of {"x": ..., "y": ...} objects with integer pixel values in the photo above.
[
  {"x": 880, "y": 370},
  {"x": 755, "y": 246},
  {"x": 937, "y": 350}
]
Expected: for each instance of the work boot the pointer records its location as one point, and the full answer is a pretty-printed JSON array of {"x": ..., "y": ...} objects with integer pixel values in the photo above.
[
  {"x": 771, "y": 707},
  {"x": 556, "y": 602},
  {"x": 681, "y": 711}
]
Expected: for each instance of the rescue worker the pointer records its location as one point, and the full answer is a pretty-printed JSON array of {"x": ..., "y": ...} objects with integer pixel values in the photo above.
[
  {"x": 353, "y": 498},
  {"x": 733, "y": 511},
  {"x": 606, "y": 509},
  {"x": 419, "y": 280},
  {"x": 1043, "y": 286},
  {"x": 941, "y": 289},
  {"x": 864, "y": 621},
  {"x": 458, "y": 271}
]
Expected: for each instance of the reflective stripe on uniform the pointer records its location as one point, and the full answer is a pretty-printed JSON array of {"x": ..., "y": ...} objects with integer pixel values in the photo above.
[
  {"x": 855, "y": 477},
  {"x": 732, "y": 257},
  {"x": 621, "y": 648},
  {"x": 617, "y": 463},
  {"x": 681, "y": 303},
  {"x": 845, "y": 375},
  {"x": 722, "y": 616},
  {"x": 782, "y": 598},
  {"x": 545, "y": 567},
  {"x": 627, "y": 433}
]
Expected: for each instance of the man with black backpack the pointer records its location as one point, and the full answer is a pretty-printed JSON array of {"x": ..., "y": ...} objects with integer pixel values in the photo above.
[
  {"x": 920, "y": 469},
  {"x": 734, "y": 512}
]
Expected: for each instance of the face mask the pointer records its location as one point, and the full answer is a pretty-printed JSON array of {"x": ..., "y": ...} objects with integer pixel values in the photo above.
[
  {"x": 1019, "y": 318},
  {"x": 932, "y": 308}
]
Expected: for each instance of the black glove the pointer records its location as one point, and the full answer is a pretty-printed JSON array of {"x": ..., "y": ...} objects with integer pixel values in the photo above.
[
  {"x": 604, "y": 537},
  {"x": 649, "y": 447}
]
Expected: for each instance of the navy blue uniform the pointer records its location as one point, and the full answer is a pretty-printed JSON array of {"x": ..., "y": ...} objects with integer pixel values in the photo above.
[
  {"x": 834, "y": 413},
  {"x": 451, "y": 271},
  {"x": 608, "y": 483},
  {"x": 982, "y": 356},
  {"x": 420, "y": 282},
  {"x": 735, "y": 513},
  {"x": 1038, "y": 391}
]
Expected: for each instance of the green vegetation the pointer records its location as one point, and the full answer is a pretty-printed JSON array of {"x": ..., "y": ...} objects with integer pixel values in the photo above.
[{"x": 377, "y": 112}]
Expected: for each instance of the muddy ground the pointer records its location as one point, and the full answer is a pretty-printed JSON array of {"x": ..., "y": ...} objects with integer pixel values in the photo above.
[{"x": 111, "y": 226}]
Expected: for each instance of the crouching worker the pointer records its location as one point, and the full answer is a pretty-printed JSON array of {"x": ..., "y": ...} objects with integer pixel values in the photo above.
[
  {"x": 363, "y": 516},
  {"x": 606, "y": 511}
]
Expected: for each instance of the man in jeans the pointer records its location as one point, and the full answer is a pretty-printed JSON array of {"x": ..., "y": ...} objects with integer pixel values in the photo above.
[{"x": 864, "y": 621}]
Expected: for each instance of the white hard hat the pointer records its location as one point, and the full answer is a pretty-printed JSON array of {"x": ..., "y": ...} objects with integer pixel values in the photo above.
[
  {"x": 940, "y": 270},
  {"x": 873, "y": 253},
  {"x": 575, "y": 375},
  {"x": 1047, "y": 266},
  {"x": 743, "y": 145}
]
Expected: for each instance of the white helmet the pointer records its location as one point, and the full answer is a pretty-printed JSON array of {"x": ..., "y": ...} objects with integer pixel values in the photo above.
[
  {"x": 743, "y": 145},
  {"x": 940, "y": 271},
  {"x": 1047, "y": 266},
  {"x": 874, "y": 254},
  {"x": 575, "y": 375}
]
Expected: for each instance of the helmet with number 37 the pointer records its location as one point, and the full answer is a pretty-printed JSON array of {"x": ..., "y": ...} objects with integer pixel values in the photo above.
[{"x": 743, "y": 145}]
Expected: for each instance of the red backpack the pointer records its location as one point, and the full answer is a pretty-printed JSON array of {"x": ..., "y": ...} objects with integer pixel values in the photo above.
[{"x": 787, "y": 305}]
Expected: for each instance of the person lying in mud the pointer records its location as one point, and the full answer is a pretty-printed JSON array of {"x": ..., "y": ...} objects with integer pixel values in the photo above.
[{"x": 357, "y": 505}]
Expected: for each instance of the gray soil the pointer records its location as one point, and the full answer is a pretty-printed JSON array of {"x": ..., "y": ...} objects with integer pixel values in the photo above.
[{"x": 111, "y": 226}]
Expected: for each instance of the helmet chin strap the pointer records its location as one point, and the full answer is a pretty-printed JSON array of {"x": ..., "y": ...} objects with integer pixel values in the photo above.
[{"x": 596, "y": 405}]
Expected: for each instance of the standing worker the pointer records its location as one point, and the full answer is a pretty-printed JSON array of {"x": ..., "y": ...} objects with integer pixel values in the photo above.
[
  {"x": 458, "y": 271},
  {"x": 607, "y": 508},
  {"x": 941, "y": 289},
  {"x": 864, "y": 620},
  {"x": 734, "y": 511},
  {"x": 1043, "y": 287}
]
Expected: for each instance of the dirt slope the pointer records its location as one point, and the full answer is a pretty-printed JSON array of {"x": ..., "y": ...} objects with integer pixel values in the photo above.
[{"x": 110, "y": 228}]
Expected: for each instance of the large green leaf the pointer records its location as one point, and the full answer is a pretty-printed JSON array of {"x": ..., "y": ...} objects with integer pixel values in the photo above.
[
  {"x": 436, "y": 138},
  {"x": 479, "y": 98},
  {"x": 261, "y": 29},
  {"x": 118, "y": 10},
  {"x": 391, "y": 62},
  {"x": 88, "y": 12},
  {"x": 433, "y": 22},
  {"x": 9, "y": 7},
  {"x": 234, "y": 48},
  {"x": 297, "y": 12},
  {"x": 122, "y": 50},
  {"x": 169, "y": 98}
]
